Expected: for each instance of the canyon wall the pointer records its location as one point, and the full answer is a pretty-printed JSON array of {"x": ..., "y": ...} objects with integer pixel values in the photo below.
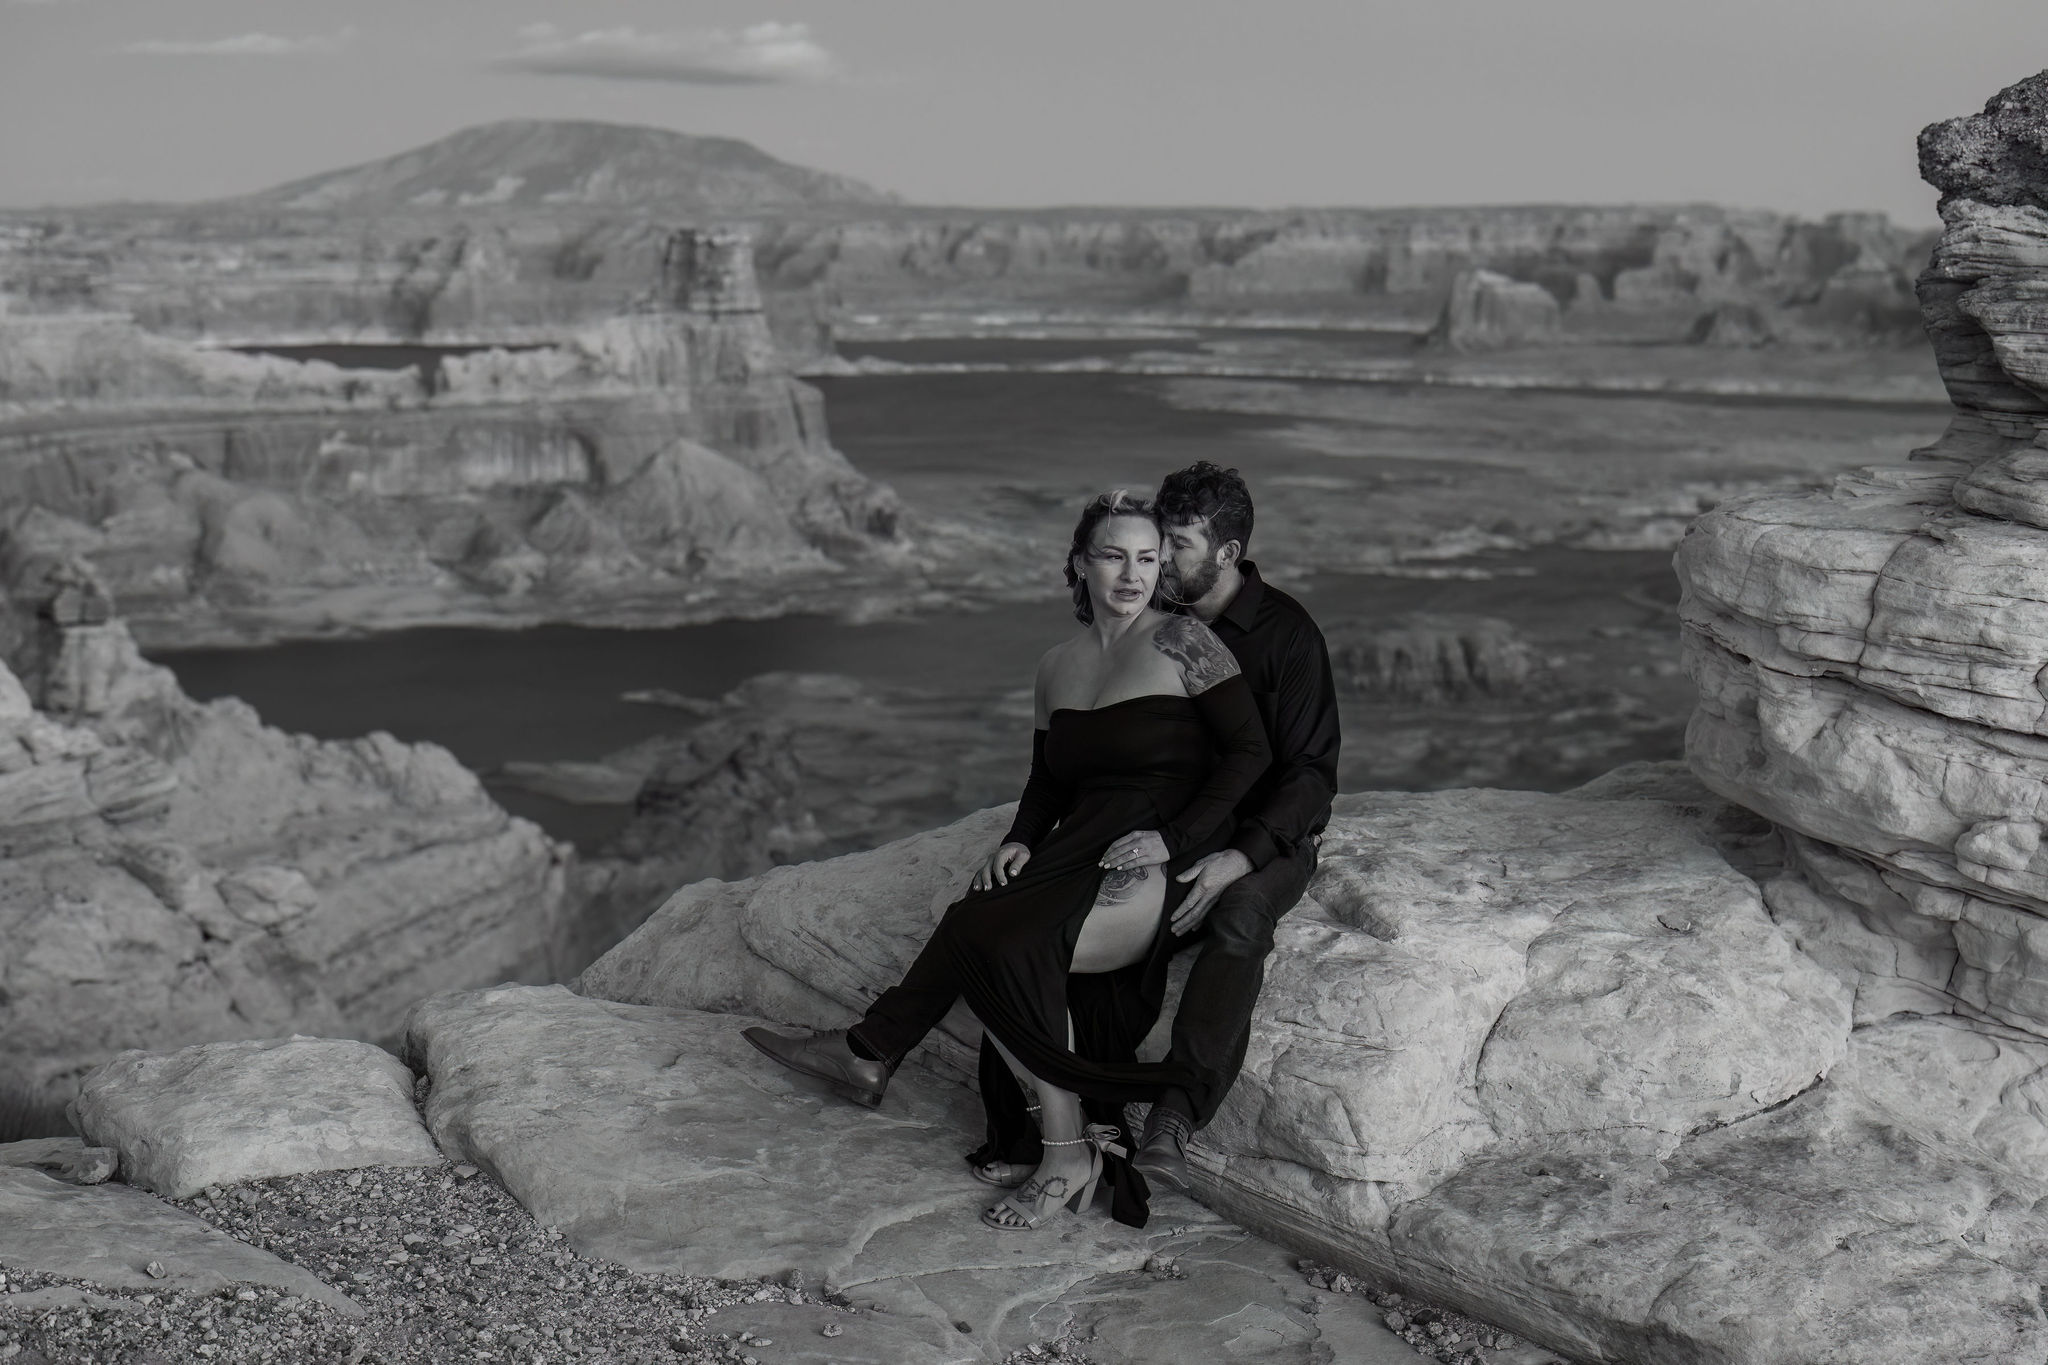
[
  {"x": 662, "y": 455},
  {"x": 173, "y": 872},
  {"x": 1872, "y": 656},
  {"x": 1694, "y": 272},
  {"x": 1625, "y": 273}
]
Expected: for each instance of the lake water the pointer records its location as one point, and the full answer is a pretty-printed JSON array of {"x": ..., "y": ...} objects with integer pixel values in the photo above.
[{"x": 1020, "y": 453}]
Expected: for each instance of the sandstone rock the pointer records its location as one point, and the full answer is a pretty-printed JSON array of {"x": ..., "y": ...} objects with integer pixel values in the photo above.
[
  {"x": 64, "y": 1158},
  {"x": 661, "y": 1139},
  {"x": 1734, "y": 325},
  {"x": 1994, "y": 157},
  {"x": 173, "y": 873},
  {"x": 15, "y": 705},
  {"x": 223, "y": 1113},
  {"x": 1869, "y": 658},
  {"x": 807, "y": 944},
  {"x": 268, "y": 896},
  {"x": 1488, "y": 310},
  {"x": 1437, "y": 659},
  {"x": 1817, "y": 1232},
  {"x": 1503, "y": 1021},
  {"x": 115, "y": 1235},
  {"x": 668, "y": 451}
]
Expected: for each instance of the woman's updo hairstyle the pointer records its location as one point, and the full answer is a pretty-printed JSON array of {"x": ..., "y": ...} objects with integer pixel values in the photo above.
[{"x": 1117, "y": 502}]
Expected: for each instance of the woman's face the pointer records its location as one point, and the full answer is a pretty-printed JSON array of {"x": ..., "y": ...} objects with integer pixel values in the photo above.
[{"x": 1121, "y": 566}]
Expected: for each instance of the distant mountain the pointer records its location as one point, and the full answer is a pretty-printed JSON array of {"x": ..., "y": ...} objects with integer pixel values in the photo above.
[{"x": 541, "y": 163}]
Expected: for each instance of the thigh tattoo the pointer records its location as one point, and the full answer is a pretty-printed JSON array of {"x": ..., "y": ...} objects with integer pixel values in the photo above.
[{"x": 1120, "y": 885}]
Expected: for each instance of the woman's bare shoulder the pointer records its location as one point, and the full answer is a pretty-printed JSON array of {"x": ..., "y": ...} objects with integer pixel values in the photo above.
[
  {"x": 1050, "y": 662},
  {"x": 1203, "y": 659}
]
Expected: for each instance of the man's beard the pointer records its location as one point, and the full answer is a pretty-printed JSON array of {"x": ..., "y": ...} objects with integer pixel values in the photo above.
[{"x": 1188, "y": 588}]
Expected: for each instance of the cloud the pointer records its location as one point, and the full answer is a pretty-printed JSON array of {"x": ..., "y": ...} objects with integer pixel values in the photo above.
[
  {"x": 760, "y": 54},
  {"x": 245, "y": 45}
]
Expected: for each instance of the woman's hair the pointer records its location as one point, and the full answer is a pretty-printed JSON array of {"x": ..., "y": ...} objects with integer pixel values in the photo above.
[{"x": 1117, "y": 502}]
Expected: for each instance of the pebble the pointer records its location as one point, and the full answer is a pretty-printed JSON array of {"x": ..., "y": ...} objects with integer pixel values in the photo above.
[
  {"x": 506, "y": 1290},
  {"x": 1436, "y": 1333}
]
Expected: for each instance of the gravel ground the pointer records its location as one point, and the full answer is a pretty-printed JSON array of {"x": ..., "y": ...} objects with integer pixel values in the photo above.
[
  {"x": 449, "y": 1267},
  {"x": 1435, "y": 1333}
]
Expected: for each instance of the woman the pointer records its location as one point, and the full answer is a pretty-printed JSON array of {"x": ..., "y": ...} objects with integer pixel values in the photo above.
[{"x": 1146, "y": 739}]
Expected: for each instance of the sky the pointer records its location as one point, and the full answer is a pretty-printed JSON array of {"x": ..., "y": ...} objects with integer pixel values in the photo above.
[{"x": 1806, "y": 106}]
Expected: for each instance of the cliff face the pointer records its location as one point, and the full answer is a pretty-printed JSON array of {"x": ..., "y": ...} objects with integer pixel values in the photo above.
[
  {"x": 655, "y": 454},
  {"x": 1872, "y": 657},
  {"x": 1621, "y": 273},
  {"x": 176, "y": 872}
]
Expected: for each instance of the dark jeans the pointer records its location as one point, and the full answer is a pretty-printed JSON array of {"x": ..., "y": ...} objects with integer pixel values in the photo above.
[{"x": 1212, "y": 1026}]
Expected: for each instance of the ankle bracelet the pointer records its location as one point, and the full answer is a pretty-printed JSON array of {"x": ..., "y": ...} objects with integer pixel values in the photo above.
[{"x": 1063, "y": 1142}]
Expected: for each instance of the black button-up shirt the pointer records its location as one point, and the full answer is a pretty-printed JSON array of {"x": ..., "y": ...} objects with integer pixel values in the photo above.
[{"x": 1288, "y": 667}]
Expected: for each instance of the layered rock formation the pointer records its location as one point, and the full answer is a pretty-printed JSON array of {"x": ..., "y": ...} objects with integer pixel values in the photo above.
[
  {"x": 1546, "y": 1058},
  {"x": 503, "y": 273},
  {"x": 1615, "y": 273},
  {"x": 1871, "y": 655},
  {"x": 663, "y": 456},
  {"x": 1487, "y": 311},
  {"x": 177, "y": 872}
]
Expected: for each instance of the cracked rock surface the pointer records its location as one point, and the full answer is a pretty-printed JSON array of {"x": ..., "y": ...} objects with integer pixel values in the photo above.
[
  {"x": 1545, "y": 1059},
  {"x": 659, "y": 1139}
]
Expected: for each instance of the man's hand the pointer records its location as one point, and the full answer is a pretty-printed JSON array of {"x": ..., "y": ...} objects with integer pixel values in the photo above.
[
  {"x": 1139, "y": 848},
  {"x": 1003, "y": 864},
  {"x": 1211, "y": 875}
]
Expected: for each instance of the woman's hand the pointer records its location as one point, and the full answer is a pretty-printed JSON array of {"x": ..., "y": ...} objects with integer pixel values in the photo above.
[
  {"x": 1003, "y": 864},
  {"x": 1139, "y": 848}
]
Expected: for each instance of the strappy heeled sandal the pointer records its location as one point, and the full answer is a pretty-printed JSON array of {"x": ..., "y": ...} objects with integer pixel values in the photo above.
[
  {"x": 1027, "y": 1208},
  {"x": 1004, "y": 1175}
]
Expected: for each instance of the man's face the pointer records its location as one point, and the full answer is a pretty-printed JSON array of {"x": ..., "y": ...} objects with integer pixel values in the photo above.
[{"x": 1189, "y": 567}]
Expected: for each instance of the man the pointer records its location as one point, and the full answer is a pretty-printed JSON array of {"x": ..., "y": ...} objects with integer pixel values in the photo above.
[{"x": 1238, "y": 894}]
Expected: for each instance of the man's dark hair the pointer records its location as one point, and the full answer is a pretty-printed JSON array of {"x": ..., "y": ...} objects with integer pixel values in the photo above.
[
  {"x": 1213, "y": 496},
  {"x": 1118, "y": 502}
]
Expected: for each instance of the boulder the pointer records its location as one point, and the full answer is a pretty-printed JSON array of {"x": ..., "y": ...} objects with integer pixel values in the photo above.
[
  {"x": 223, "y": 1113},
  {"x": 66, "y": 1158},
  {"x": 1549, "y": 1059},
  {"x": 1872, "y": 655},
  {"x": 660, "y": 1139}
]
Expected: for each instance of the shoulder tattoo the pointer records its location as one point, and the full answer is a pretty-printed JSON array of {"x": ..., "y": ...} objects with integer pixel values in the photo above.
[{"x": 1204, "y": 661}]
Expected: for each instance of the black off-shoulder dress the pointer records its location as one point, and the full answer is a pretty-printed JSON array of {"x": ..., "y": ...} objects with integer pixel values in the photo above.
[{"x": 1178, "y": 765}]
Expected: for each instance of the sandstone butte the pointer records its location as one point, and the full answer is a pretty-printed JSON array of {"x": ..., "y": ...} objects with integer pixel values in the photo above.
[
  {"x": 652, "y": 461},
  {"x": 1626, "y": 1070}
]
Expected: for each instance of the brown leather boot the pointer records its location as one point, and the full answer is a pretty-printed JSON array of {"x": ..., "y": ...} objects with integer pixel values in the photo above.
[
  {"x": 826, "y": 1056},
  {"x": 1163, "y": 1152}
]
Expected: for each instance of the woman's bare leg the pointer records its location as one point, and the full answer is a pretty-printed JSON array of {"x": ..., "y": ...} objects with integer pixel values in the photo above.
[
  {"x": 1123, "y": 921},
  {"x": 1118, "y": 932},
  {"x": 1066, "y": 1164}
]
